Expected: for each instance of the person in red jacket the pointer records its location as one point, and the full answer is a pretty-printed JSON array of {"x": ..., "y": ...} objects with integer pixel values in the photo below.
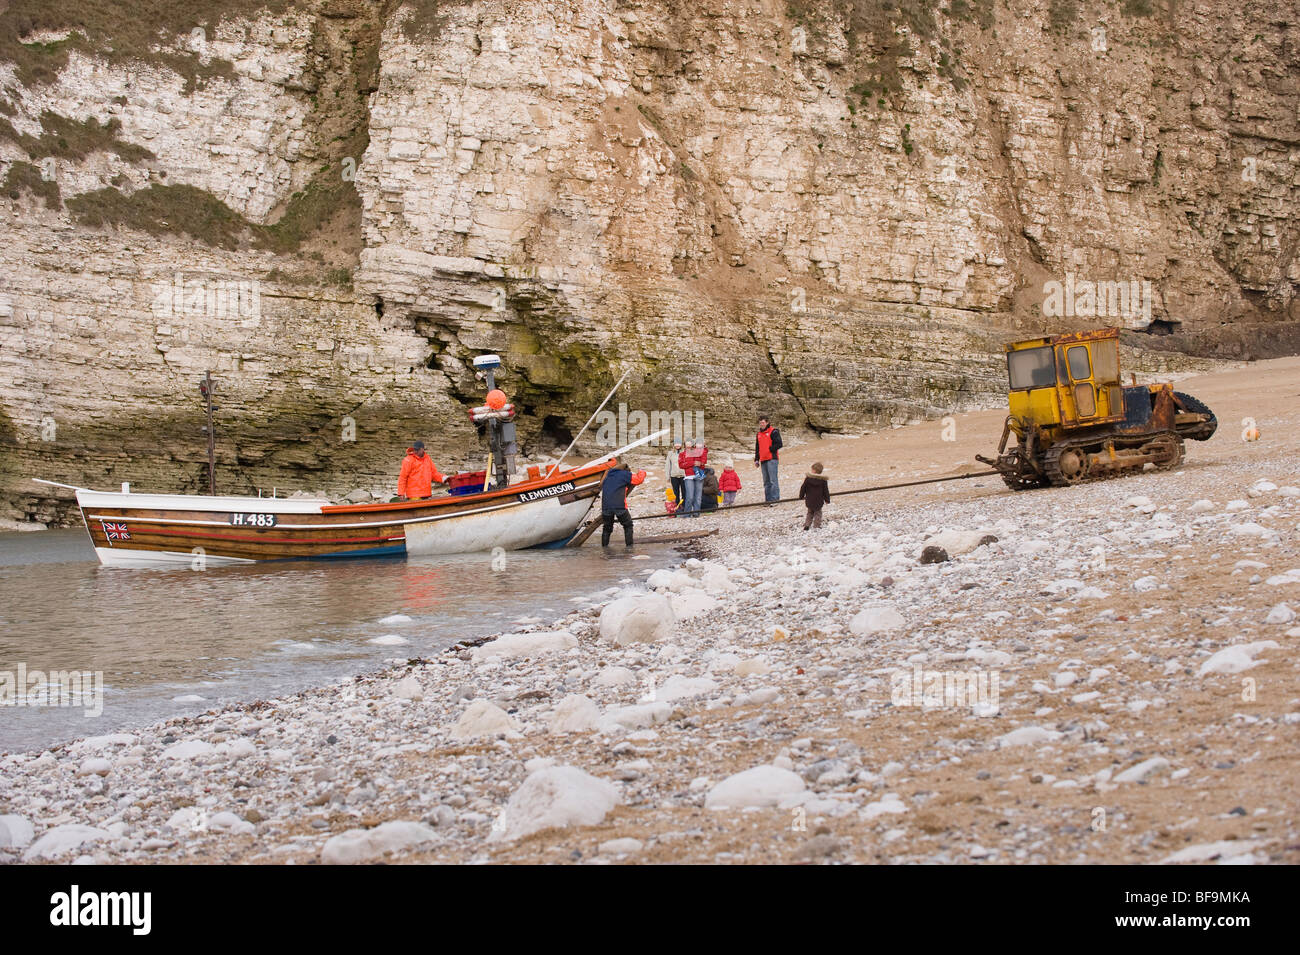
[
  {"x": 729, "y": 485},
  {"x": 767, "y": 447},
  {"x": 419, "y": 474}
]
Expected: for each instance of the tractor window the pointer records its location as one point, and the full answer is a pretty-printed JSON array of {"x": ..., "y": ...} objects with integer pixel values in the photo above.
[
  {"x": 1105, "y": 360},
  {"x": 1031, "y": 368},
  {"x": 1080, "y": 369}
]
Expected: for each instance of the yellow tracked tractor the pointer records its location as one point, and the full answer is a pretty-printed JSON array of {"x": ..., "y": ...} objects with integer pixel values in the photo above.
[{"x": 1075, "y": 421}]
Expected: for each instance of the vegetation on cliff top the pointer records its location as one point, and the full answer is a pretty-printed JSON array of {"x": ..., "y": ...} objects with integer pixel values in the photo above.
[
  {"x": 146, "y": 31},
  {"x": 342, "y": 70},
  {"x": 143, "y": 31}
]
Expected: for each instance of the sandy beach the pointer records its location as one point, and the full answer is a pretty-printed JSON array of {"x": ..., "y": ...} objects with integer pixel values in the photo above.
[{"x": 1115, "y": 663}]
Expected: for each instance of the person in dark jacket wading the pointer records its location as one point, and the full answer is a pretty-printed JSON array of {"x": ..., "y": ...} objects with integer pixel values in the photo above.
[
  {"x": 613, "y": 502},
  {"x": 815, "y": 492}
]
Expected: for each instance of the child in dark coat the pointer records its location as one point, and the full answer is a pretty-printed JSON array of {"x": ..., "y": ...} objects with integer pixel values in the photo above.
[{"x": 815, "y": 492}]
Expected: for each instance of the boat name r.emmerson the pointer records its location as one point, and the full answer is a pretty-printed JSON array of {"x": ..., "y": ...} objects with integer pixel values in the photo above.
[{"x": 564, "y": 488}]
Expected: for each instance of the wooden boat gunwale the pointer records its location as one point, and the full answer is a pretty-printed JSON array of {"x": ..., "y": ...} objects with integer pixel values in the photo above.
[{"x": 560, "y": 477}]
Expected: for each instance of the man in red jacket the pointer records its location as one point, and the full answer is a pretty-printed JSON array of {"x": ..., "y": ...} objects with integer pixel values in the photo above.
[
  {"x": 418, "y": 474},
  {"x": 767, "y": 445}
]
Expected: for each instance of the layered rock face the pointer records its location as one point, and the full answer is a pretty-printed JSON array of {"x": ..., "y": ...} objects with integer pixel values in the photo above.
[{"x": 827, "y": 211}]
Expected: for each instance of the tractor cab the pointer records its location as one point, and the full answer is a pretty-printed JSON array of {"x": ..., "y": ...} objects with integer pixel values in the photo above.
[{"x": 1069, "y": 381}]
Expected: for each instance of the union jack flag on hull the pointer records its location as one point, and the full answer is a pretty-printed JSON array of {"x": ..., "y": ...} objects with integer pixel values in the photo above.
[{"x": 115, "y": 532}]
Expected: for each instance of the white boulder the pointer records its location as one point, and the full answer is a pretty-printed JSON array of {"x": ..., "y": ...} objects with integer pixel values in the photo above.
[
  {"x": 760, "y": 786},
  {"x": 1280, "y": 614},
  {"x": 635, "y": 717},
  {"x": 188, "y": 749},
  {"x": 408, "y": 688},
  {"x": 1027, "y": 736},
  {"x": 888, "y": 804},
  {"x": 1143, "y": 770},
  {"x": 575, "y": 714},
  {"x": 15, "y": 832},
  {"x": 619, "y": 847},
  {"x": 62, "y": 840},
  {"x": 957, "y": 543},
  {"x": 678, "y": 687},
  {"x": 641, "y": 618},
  {"x": 875, "y": 620},
  {"x": 1225, "y": 850},
  {"x": 754, "y": 666},
  {"x": 361, "y": 845},
  {"x": 555, "y": 797},
  {"x": 692, "y": 604},
  {"x": 511, "y": 645},
  {"x": 229, "y": 822},
  {"x": 482, "y": 718},
  {"x": 1236, "y": 658},
  {"x": 614, "y": 676}
]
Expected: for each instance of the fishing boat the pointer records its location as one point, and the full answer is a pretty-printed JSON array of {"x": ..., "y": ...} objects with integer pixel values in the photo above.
[
  {"x": 483, "y": 511},
  {"x": 147, "y": 530}
]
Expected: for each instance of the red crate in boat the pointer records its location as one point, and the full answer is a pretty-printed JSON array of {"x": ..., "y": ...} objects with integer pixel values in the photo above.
[{"x": 468, "y": 482}]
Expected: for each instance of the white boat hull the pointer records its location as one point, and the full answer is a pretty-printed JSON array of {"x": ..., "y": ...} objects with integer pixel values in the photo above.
[{"x": 514, "y": 527}]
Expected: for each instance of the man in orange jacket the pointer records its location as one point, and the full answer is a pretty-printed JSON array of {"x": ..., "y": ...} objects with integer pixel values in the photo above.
[{"x": 418, "y": 474}]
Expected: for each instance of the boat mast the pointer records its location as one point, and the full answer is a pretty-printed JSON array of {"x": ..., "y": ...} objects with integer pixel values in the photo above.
[{"x": 501, "y": 434}]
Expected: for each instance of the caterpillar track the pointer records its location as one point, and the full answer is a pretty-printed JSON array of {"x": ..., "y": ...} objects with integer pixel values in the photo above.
[{"x": 1067, "y": 462}]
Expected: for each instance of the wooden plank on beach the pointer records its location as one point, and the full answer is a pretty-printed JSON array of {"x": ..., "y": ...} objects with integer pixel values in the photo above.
[
  {"x": 578, "y": 539},
  {"x": 670, "y": 538}
]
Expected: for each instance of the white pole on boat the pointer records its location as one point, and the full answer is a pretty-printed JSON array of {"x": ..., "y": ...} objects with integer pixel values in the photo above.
[
  {"x": 628, "y": 447},
  {"x": 555, "y": 467},
  {"x": 70, "y": 487}
]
